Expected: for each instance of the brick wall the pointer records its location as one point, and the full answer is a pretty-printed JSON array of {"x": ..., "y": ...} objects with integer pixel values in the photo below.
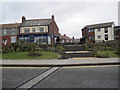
[
  {"x": 88, "y": 34},
  {"x": 53, "y": 29}
]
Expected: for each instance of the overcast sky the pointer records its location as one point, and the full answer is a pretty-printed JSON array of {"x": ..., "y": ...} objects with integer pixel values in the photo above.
[{"x": 70, "y": 17}]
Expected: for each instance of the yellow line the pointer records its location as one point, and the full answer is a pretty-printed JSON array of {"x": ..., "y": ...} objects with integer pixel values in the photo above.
[
  {"x": 67, "y": 66},
  {"x": 24, "y": 67},
  {"x": 91, "y": 66}
]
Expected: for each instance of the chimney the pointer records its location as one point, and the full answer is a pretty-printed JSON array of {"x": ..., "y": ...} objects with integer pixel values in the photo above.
[
  {"x": 73, "y": 38},
  {"x": 23, "y": 19},
  {"x": 53, "y": 17},
  {"x": 64, "y": 34}
]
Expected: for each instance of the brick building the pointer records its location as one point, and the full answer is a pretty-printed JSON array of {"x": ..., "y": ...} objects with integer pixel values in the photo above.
[
  {"x": 99, "y": 32},
  {"x": 8, "y": 33},
  {"x": 65, "y": 39},
  {"x": 41, "y": 31},
  {"x": 117, "y": 32}
]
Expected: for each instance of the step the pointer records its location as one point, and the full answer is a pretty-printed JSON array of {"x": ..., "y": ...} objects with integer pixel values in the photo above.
[
  {"x": 72, "y": 54},
  {"x": 74, "y": 48}
]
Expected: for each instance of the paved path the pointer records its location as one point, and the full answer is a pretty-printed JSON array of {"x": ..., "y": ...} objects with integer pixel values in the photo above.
[{"x": 61, "y": 62}]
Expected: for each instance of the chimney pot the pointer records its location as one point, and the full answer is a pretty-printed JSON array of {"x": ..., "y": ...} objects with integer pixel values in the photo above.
[
  {"x": 23, "y": 19},
  {"x": 64, "y": 34},
  {"x": 53, "y": 17}
]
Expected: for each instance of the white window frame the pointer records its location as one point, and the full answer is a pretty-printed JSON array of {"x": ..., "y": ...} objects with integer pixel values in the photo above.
[
  {"x": 91, "y": 37},
  {"x": 5, "y": 41},
  {"x": 106, "y": 28},
  {"x": 13, "y": 31},
  {"x": 99, "y": 37},
  {"x": 13, "y": 39},
  {"x": 98, "y": 30},
  {"x": 91, "y": 30},
  {"x": 41, "y": 28},
  {"x": 26, "y": 29},
  {"x": 4, "y": 31},
  {"x": 33, "y": 29}
]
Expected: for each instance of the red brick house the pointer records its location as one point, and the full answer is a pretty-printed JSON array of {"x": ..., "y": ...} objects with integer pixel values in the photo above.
[
  {"x": 65, "y": 39},
  {"x": 99, "y": 32},
  {"x": 41, "y": 31},
  {"x": 117, "y": 32},
  {"x": 9, "y": 33}
]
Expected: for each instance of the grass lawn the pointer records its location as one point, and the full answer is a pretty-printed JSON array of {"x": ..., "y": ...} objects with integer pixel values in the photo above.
[
  {"x": 24, "y": 55},
  {"x": 110, "y": 53}
]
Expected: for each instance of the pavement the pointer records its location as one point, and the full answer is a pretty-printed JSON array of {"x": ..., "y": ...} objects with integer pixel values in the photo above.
[{"x": 59, "y": 62}]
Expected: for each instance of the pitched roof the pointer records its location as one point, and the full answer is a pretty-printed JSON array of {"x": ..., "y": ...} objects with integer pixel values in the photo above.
[
  {"x": 65, "y": 37},
  {"x": 12, "y": 25},
  {"x": 36, "y": 22},
  {"x": 100, "y": 25}
]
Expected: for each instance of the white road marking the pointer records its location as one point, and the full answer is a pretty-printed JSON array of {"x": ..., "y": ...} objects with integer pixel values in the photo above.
[{"x": 37, "y": 79}]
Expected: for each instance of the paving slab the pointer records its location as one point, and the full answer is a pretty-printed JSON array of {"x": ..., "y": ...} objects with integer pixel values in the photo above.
[{"x": 62, "y": 62}]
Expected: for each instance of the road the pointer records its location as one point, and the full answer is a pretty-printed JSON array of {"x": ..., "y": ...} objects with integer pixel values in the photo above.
[{"x": 64, "y": 77}]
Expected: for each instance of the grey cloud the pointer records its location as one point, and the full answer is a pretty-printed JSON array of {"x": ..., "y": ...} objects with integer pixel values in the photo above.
[{"x": 70, "y": 17}]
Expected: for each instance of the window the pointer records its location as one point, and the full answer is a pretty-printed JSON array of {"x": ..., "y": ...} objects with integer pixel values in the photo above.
[
  {"x": 106, "y": 37},
  {"x": 91, "y": 30},
  {"x": 106, "y": 30},
  {"x": 13, "y": 31},
  {"x": 27, "y": 30},
  {"x": 63, "y": 41},
  {"x": 67, "y": 40},
  {"x": 13, "y": 39},
  {"x": 33, "y": 29},
  {"x": 99, "y": 37},
  {"x": 4, "y": 31},
  {"x": 98, "y": 29},
  {"x": 41, "y": 29},
  {"x": 91, "y": 37},
  {"x": 5, "y": 41}
]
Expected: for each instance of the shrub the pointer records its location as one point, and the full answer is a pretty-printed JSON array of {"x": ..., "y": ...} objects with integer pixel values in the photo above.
[
  {"x": 7, "y": 49},
  {"x": 15, "y": 46},
  {"x": 102, "y": 56},
  {"x": 117, "y": 52},
  {"x": 27, "y": 46},
  {"x": 0, "y": 49},
  {"x": 59, "y": 49},
  {"x": 63, "y": 56},
  {"x": 52, "y": 49}
]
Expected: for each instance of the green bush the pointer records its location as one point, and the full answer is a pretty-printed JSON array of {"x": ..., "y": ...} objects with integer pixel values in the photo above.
[
  {"x": 52, "y": 49},
  {"x": 27, "y": 46},
  {"x": 15, "y": 46},
  {"x": 0, "y": 49},
  {"x": 102, "y": 56},
  {"x": 117, "y": 52},
  {"x": 7, "y": 49},
  {"x": 59, "y": 49}
]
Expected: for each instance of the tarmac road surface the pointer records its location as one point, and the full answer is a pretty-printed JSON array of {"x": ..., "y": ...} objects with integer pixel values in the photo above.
[{"x": 64, "y": 77}]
